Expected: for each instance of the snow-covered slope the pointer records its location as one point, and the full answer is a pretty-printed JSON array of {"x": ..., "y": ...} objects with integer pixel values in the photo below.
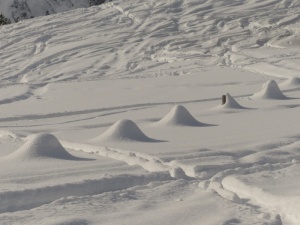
[
  {"x": 126, "y": 39},
  {"x": 67, "y": 79},
  {"x": 17, "y": 10}
]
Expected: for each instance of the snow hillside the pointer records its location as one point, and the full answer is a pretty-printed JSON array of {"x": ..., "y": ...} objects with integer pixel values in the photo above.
[
  {"x": 113, "y": 115},
  {"x": 138, "y": 39}
]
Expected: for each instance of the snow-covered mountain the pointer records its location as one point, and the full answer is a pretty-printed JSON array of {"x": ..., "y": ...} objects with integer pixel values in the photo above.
[{"x": 17, "y": 10}]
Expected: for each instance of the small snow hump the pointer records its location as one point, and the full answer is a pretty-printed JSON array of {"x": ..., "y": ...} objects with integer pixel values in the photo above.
[
  {"x": 38, "y": 146},
  {"x": 270, "y": 90},
  {"x": 291, "y": 82},
  {"x": 123, "y": 130},
  {"x": 230, "y": 103},
  {"x": 179, "y": 116}
]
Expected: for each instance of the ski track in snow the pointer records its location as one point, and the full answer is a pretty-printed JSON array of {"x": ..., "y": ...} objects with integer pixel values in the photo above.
[
  {"x": 160, "y": 168},
  {"x": 12, "y": 201},
  {"x": 65, "y": 114}
]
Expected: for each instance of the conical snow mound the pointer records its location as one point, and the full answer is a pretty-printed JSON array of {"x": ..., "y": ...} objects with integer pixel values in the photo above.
[
  {"x": 291, "y": 82},
  {"x": 270, "y": 90},
  {"x": 179, "y": 116},
  {"x": 42, "y": 145},
  {"x": 123, "y": 130},
  {"x": 231, "y": 103}
]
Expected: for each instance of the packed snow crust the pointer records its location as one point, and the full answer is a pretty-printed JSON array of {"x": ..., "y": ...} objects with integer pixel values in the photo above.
[{"x": 65, "y": 80}]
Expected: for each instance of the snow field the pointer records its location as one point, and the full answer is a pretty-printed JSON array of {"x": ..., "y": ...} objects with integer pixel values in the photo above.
[
  {"x": 139, "y": 39},
  {"x": 200, "y": 164},
  {"x": 85, "y": 140},
  {"x": 126, "y": 142}
]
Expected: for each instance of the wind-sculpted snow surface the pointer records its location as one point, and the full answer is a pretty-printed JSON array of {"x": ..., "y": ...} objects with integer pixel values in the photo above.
[
  {"x": 139, "y": 38},
  {"x": 64, "y": 82}
]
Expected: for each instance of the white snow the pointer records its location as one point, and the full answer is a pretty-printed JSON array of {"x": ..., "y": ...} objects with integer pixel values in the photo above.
[
  {"x": 292, "y": 82},
  {"x": 265, "y": 188},
  {"x": 230, "y": 103},
  {"x": 270, "y": 90},
  {"x": 40, "y": 146},
  {"x": 112, "y": 114},
  {"x": 123, "y": 130},
  {"x": 179, "y": 116}
]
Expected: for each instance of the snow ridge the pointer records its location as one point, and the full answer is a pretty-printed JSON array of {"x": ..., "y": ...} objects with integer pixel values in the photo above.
[{"x": 12, "y": 201}]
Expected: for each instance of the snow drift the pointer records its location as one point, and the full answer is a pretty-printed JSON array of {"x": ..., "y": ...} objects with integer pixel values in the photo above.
[
  {"x": 179, "y": 116},
  {"x": 39, "y": 146},
  {"x": 291, "y": 82},
  {"x": 123, "y": 130},
  {"x": 270, "y": 90}
]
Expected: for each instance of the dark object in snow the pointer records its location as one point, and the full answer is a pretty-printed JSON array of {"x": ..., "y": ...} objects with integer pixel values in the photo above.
[
  {"x": 4, "y": 20},
  {"x": 97, "y": 2},
  {"x": 223, "y": 99}
]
